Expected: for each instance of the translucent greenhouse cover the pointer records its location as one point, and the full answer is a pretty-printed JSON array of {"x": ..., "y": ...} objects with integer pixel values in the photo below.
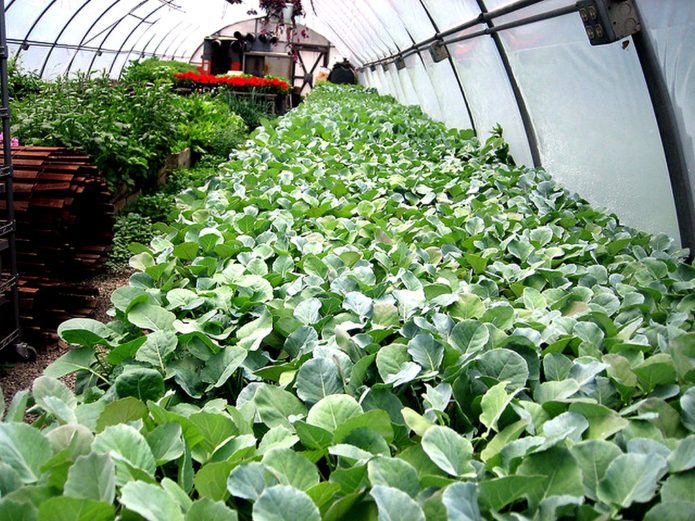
[{"x": 588, "y": 114}]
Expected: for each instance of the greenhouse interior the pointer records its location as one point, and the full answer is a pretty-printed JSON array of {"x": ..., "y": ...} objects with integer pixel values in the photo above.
[{"x": 322, "y": 260}]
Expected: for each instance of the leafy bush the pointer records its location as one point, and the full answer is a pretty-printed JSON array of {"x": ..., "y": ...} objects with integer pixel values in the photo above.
[
  {"x": 368, "y": 315},
  {"x": 130, "y": 227},
  {"x": 21, "y": 83},
  {"x": 127, "y": 131},
  {"x": 136, "y": 223},
  {"x": 212, "y": 127},
  {"x": 154, "y": 70},
  {"x": 156, "y": 206},
  {"x": 183, "y": 178},
  {"x": 250, "y": 108}
]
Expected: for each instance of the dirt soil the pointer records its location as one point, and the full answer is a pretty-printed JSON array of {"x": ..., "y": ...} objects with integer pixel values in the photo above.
[{"x": 17, "y": 375}]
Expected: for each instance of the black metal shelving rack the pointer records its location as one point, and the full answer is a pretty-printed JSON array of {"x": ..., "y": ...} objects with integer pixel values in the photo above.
[{"x": 9, "y": 280}]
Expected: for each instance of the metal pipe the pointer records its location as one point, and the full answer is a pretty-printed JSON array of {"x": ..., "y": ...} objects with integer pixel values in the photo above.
[
  {"x": 154, "y": 52},
  {"x": 84, "y": 37},
  {"x": 483, "y": 18},
  {"x": 33, "y": 26},
  {"x": 9, "y": 196},
  {"x": 453, "y": 68},
  {"x": 516, "y": 23},
  {"x": 110, "y": 31},
  {"x": 142, "y": 21},
  {"x": 55, "y": 42},
  {"x": 70, "y": 46},
  {"x": 520, "y": 102}
]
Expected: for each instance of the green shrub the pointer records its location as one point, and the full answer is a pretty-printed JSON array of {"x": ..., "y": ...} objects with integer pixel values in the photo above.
[
  {"x": 21, "y": 83},
  {"x": 182, "y": 178},
  {"x": 212, "y": 127},
  {"x": 156, "y": 206},
  {"x": 136, "y": 223},
  {"x": 129, "y": 228},
  {"x": 127, "y": 131},
  {"x": 153, "y": 70},
  {"x": 250, "y": 108}
]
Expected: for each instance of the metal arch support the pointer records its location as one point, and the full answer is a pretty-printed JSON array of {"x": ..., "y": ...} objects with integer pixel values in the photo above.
[
  {"x": 200, "y": 47},
  {"x": 340, "y": 10},
  {"x": 131, "y": 33},
  {"x": 175, "y": 53},
  {"x": 521, "y": 103},
  {"x": 33, "y": 26},
  {"x": 55, "y": 42},
  {"x": 142, "y": 51},
  {"x": 163, "y": 40},
  {"x": 434, "y": 26},
  {"x": 375, "y": 14},
  {"x": 175, "y": 49},
  {"x": 171, "y": 46},
  {"x": 132, "y": 49},
  {"x": 177, "y": 40},
  {"x": 379, "y": 35},
  {"x": 113, "y": 28},
  {"x": 337, "y": 35},
  {"x": 360, "y": 38},
  {"x": 362, "y": 44},
  {"x": 453, "y": 68},
  {"x": 173, "y": 29},
  {"x": 84, "y": 37}
]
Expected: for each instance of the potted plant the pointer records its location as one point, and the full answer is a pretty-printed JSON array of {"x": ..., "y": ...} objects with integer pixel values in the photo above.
[
  {"x": 282, "y": 11},
  {"x": 283, "y": 14}
]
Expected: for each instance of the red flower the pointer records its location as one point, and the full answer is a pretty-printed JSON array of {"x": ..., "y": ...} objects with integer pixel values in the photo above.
[{"x": 233, "y": 81}]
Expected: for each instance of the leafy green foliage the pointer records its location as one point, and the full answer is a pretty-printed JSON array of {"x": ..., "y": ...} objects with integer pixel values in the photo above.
[
  {"x": 214, "y": 128},
  {"x": 153, "y": 70},
  {"x": 21, "y": 83},
  {"x": 369, "y": 316},
  {"x": 127, "y": 129},
  {"x": 129, "y": 228},
  {"x": 251, "y": 109},
  {"x": 136, "y": 223}
]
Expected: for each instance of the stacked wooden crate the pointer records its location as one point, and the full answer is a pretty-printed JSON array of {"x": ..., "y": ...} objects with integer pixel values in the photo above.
[{"x": 65, "y": 223}]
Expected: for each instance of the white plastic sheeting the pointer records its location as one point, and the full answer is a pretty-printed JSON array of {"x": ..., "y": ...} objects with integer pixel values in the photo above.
[
  {"x": 489, "y": 93},
  {"x": 583, "y": 111},
  {"x": 593, "y": 118},
  {"x": 671, "y": 26}
]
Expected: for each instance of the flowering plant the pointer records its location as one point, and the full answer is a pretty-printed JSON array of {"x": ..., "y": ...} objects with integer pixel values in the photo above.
[
  {"x": 275, "y": 8},
  {"x": 238, "y": 82},
  {"x": 14, "y": 142},
  {"x": 284, "y": 13}
]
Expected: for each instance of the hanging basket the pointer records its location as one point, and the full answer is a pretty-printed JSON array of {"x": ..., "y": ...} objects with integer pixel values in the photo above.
[
  {"x": 282, "y": 17},
  {"x": 287, "y": 13}
]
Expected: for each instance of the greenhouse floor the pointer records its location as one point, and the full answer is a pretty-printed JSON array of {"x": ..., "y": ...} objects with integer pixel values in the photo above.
[{"x": 15, "y": 376}]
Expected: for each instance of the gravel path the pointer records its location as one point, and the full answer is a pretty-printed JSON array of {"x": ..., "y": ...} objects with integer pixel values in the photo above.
[{"x": 15, "y": 376}]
